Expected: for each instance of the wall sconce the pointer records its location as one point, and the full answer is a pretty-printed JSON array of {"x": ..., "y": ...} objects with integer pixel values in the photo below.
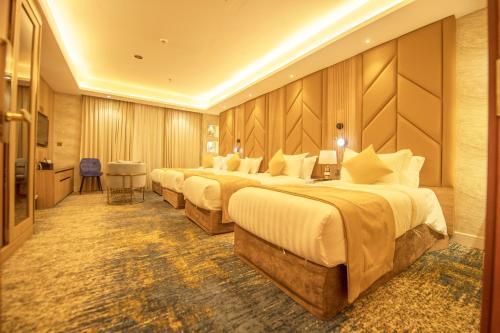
[
  {"x": 238, "y": 148},
  {"x": 341, "y": 142}
]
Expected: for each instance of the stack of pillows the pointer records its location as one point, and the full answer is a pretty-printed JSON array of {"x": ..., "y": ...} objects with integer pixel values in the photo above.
[
  {"x": 232, "y": 162},
  {"x": 298, "y": 166},
  {"x": 368, "y": 167}
]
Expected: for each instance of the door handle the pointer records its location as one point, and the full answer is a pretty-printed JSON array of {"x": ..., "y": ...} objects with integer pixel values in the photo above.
[{"x": 22, "y": 115}]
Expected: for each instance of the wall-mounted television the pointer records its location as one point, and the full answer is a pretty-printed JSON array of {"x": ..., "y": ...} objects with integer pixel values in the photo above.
[{"x": 42, "y": 130}]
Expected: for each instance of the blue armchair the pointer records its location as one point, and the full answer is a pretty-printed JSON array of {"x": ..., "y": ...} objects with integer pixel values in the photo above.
[{"x": 90, "y": 167}]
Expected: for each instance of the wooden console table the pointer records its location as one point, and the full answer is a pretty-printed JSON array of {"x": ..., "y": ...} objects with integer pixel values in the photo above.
[{"x": 52, "y": 186}]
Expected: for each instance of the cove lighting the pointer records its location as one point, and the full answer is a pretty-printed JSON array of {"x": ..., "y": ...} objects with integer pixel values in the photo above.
[{"x": 333, "y": 25}]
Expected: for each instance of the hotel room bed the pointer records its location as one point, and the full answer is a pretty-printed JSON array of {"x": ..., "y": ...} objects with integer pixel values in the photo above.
[
  {"x": 172, "y": 183},
  {"x": 204, "y": 200},
  {"x": 300, "y": 243}
]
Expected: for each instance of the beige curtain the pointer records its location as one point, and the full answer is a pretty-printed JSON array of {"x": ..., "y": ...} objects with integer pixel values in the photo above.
[
  {"x": 182, "y": 139},
  {"x": 116, "y": 130}
]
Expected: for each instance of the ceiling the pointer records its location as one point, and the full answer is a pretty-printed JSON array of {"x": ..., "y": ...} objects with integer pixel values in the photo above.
[{"x": 217, "y": 53}]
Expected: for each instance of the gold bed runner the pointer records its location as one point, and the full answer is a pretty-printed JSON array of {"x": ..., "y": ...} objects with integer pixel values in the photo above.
[
  {"x": 228, "y": 185},
  {"x": 369, "y": 231},
  {"x": 190, "y": 173}
]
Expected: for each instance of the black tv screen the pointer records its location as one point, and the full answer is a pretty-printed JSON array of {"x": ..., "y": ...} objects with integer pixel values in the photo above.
[{"x": 42, "y": 130}]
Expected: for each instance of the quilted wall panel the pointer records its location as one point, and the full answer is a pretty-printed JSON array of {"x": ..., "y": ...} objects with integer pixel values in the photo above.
[
  {"x": 226, "y": 132},
  {"x": 255, "y": 129},
  {"x": 407, "y": 83}
]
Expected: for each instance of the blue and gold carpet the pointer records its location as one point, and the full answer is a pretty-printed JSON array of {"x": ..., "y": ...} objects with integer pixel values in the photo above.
[{"x": 146, "y": 268}]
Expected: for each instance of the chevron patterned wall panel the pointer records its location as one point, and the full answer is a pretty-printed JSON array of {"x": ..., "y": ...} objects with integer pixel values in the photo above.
[
  {"x": 379, "y": 98},
  {"x": 276, "y": 122},
  {"x": 255, "y": 138},
  {"x": 226, "y": 132},
  {"x": 420, "y": 114},
  {"x": 303, "y": 119},
  {"x": 403, "y": 98}
]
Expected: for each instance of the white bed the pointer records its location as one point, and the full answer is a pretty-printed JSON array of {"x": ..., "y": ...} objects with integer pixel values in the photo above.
[
  {"x": 314, "y": 230},
  {"x": 174, "y": 180},
  {"x": 205, "y": 193}
]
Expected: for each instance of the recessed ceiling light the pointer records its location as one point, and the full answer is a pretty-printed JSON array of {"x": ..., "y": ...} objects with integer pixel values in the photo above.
[
  {"x": 138, "y": 56},
  {"x": 163, "y": 41},
  {"x": 292, "y": 76},
  {"x": 249, "y": 95},
  {"x": 368, "y": 41},
  {"x": 108, "y": 96}
]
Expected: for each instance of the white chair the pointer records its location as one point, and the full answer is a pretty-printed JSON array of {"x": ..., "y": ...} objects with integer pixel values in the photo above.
[{"x": 124, "y": 179}]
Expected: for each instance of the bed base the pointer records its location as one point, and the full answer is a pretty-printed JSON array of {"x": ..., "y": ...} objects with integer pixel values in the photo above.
[
  {"x": 208, "y": 220},
  {"x": 321, "y": 290},
  {"x": 176, "y": 199},
  {"x": 156, "y": 186}
]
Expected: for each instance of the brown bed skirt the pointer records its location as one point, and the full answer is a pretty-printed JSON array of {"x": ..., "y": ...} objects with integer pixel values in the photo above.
[
  {"x": 208, "y": 220},
  {"x": 176, "y": 199},
  {"x": 156, "y": 187},
  {"x": 319, "y": 289}
]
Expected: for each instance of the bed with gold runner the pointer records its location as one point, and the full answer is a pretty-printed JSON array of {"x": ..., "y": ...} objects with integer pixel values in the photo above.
[{"x": 326, "y": 245}]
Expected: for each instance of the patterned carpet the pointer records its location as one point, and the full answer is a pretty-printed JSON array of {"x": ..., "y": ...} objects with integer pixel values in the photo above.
[{"x": 146, "y": 268}]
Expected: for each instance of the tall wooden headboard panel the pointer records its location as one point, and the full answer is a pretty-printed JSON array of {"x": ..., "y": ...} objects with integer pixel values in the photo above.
[
  {"x": 226, "y": 132},
  {"x": 408, "y": 86},
  {"x": 304, "y": 116},
  {"x": 256, "y": 130}
]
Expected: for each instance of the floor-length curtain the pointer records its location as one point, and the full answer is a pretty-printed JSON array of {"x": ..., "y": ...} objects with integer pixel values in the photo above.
[
  {"x": 182, "y": 139},
  {"x": 107, "y": 129},
  {"x": 115, "y": 130},
  {"x": 149, "y": 129}
]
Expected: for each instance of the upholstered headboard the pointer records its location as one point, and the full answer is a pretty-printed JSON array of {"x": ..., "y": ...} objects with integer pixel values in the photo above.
[
  {"x": 303, "y": 116},
  {"x": 408, "y": 98},
  {"x": 397, "y": 95},
  {"x": 226, "y": 132}
]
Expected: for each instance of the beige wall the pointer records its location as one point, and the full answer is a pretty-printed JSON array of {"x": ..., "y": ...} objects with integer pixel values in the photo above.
[
  {"x": 67, "y": 128},
  {"x": 471, "y": 159},
  {"x": 46, "y": 106}
]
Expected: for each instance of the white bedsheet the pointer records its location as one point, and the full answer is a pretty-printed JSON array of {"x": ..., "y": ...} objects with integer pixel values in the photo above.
[
  {"x": 314, "y": 230},
  {"x": 205, "y": 193},
  {"x": 174, "y": 180}
]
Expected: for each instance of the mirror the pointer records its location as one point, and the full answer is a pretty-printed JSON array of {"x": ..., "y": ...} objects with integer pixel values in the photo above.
[{"x": 22, "y": 128}]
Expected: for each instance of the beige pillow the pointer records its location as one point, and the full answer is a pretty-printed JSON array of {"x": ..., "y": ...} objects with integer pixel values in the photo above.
[
  {"x": 276, "y": 164},
  {"x": 366, "y": 167},
  {"x": 244, "y": 165},
  {"x": 233, "y": 162},
  {"x": 207, "y": 161}
]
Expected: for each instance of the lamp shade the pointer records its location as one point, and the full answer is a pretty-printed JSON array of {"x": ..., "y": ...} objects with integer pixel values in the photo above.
[{"x": 327, "y": 157}]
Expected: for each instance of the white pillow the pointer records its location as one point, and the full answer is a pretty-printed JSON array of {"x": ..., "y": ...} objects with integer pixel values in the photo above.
[
  {"x": 293, "y": 165},
  {"x": 218, "y": 162},
  {"x": 410, "y": 175},
  {"x": 224, "y": 162},
  {"x": 255, "y": 164},
  {"x": 245, "y": 164},
  {"x": 308, "y": 166},
  {"x": 396, "y": 161}
]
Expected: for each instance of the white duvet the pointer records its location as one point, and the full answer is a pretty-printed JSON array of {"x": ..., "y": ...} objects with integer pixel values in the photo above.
[
  {"x": 174, "y": 180},
  {"x": 205, "y": 193},
  {"x": 314, "y": 230}
]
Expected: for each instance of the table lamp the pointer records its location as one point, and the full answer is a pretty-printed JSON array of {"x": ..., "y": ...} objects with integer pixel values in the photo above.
[{"x": 327, "y": 157}]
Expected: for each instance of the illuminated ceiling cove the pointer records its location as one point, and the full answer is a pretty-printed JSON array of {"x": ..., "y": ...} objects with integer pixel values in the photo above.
[{"x": 196, "y": 54}]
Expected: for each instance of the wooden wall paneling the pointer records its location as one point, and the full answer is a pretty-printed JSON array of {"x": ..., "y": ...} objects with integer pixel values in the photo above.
[
  {"x": 239, "y": 126},
  {"x": 293, "y": 118},
  {"x": 419, "y": 101},
  {"x": 379, "y": 98},
  {"x": 276, "y": 121},
  {"x": 449, "y": 102},
  {"x": 226, "y": 132},
  {"x": 46, "y": 106},
  {"x": 255, "y": 133}
]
